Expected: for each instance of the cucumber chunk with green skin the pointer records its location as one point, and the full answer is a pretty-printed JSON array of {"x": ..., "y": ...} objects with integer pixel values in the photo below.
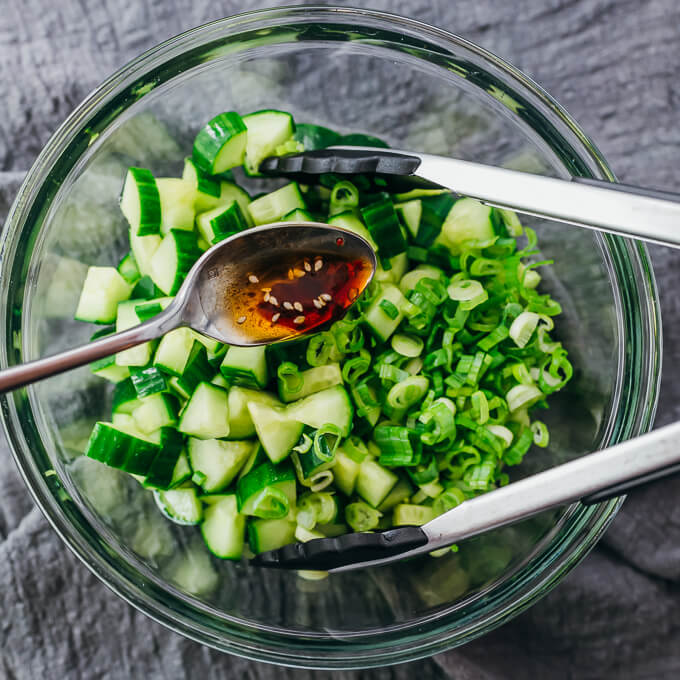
[
  {"x": 224, "y": 528},
  {"x": 173, "y": 351},
  {"x": 270, "y": 534},
  {"x": 298, "y": 215},
  {"x": 245, "y": 366},
  {"x": 125, "y": 399},
  {"x": 273, "y": 206},
  {"x": 108, "y": 369},
  {"x": 145, "y": 289},
  {"x": 468, "y": 220},
  {"x": 348, "y": 220},
  {"x": 206, "y": 416},
  {"x": 345, "y": 472},
  {"x": 378, "y": 320},
  {"x": 148, "y": 380},
  {"x": 409, "y": 214},
  {"x": 103, "y": 289},
  {"x": 140, "y": 202},
  {"x": 150, "y": 308},
  {"x": 170, "y": 467},
  {"x": 177, "y": 204},
  {"x": 313, "y": 380},
  {"x": 267, "y": 491},
  {"x": 221, "y": 222},
  {"x": 278, "y": 433},
  {"x": 180, "y": 506},
  {"x": 127, "y": 318},
  {"x": 374, "y": 482},
  {"x": 331, "y": 406},
  {"x": 174, "y": 258},
  {"x": 120, "y": 449},
  {"x": 143, "y": 248},
  {"x": 240, "y": 423},
  {"x": 128, "y": 269},
  {"x": 266, "y": 130},
  {"x": 156, "y": 411},
  {"x": 401, "y": 491},
  {"x": 221, "y": 144},
  {"x": 197, "y": 370},
  {"x": 217, "y": 461},
  {"x": 206, "y": 187}
]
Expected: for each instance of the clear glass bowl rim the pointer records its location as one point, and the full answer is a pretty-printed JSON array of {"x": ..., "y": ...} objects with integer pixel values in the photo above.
[{"x": 397, "y": 644}]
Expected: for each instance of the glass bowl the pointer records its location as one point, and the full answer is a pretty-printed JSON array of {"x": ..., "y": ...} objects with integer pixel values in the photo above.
[{"x": 358, "y": 71}]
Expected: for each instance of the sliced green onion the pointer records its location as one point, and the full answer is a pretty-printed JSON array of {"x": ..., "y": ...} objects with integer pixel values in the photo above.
[
  {"x": 320, "y": 349},
  {"x": 321, "y": 480},
  {"x": 271, "y": 503},
  {"x": 361, "y": 516},
  {"x": 398, "y": 446},
  {"x": 497, "y": 335},
  {"x": 354, "y": 368},
  {"x": 305, "y": 444},
  {"x": 326, "y": 440},
  {"x": 469, "y": 293},
  {"x": 480, "y": 407},
  {"x": 390, "y": 372},
  {"x": 501, "y": 432},
  {"x": 515, "y": 453},
  {"x": 407, "y": 345},
  {"x": 540, "y": 432},
  {"x": 521, "y": 396},
  {"x": 408, "y": 392},
  {"x": 447, "y": 500},
  {"x": 389, "y": 308},
  {"x": 523, "y": 327},
  {"x": 289, "y": 373},
  {"x": 344, "y": 196}
]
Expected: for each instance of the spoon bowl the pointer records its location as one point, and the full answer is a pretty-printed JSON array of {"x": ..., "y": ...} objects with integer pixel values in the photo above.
[
  {"x": 229, "y": 282},
  {"x": 220, "y": 294}
]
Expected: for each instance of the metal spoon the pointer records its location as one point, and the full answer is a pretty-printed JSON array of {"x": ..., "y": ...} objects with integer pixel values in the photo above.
[{"x": 203, "y": 301}]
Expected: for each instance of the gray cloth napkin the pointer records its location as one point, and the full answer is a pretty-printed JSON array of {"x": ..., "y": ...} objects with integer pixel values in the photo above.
[{"x": 614, "y": 65}]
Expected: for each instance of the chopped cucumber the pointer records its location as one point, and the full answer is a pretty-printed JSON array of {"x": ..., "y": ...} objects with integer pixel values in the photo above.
[
  {"x": 181, "y": 506},
  {"x": 276, "y": 430},
  {"x": 331, "y": 406},
  {"x": 245, "y": 366},
  {"x": 217, "y": 462},
  {"x": 104, "y": 288},
  {"x": 224, "y": 528},
  {"x": 266, "y": 131},
  {"x": 272, "y": 207},
  {"x": 206, "y": 416}
]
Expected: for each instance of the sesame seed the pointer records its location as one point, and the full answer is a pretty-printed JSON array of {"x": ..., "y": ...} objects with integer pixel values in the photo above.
[
  {"x": 266, "y": 290},
  {"x": 353, "y": 293},
  {"x": 266, "y": 297},
  {"x": 318, "y": 264},
  {"x": 287, "y": 305},
  {"x": 276, "y": 316},
  {"x": 308, "y": 267},
  {"x": 273, "y": 301},
  {"x": 299, "y": 273},
  {"x": 326, "y": 297},
  {"x": 321, "y": 302},
  {"x": 318, "y": 304},
  {"x": 253, "y": 279},
  {"x": 291, "y": 275},
  {"x": 298, "y": 306},
  {"x": 299, "y": 319},
  {"x": 241, "y": 319}
]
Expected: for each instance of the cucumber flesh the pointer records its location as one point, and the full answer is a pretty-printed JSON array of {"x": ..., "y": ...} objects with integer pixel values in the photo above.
[
  {"x": 329, "y": 406},
  {"x": 224, "y": 529},
  {"x": 276, "y": 430}
]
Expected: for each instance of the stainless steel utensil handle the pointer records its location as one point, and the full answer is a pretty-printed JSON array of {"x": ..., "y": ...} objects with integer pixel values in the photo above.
[
  {"x": 558, "y": 486},
  {"x": 619, "y": 209},
  {"x": 24, "y": 374}
]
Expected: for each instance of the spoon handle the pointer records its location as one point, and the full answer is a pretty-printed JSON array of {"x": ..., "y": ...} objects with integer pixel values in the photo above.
[{"x": 32, "y": 371}]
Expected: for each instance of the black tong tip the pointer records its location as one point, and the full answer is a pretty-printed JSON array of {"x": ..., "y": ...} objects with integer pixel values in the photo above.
[{"x": 332, "y": 553}]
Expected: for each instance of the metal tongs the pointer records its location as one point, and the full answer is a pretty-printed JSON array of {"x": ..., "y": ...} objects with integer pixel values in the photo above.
[
  {"x": 647, "y": 214},
  {"x": 629, "y": 211}
]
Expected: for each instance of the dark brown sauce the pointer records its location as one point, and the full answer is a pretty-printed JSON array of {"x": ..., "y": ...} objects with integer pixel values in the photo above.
[{"x": 291, "y": 297}]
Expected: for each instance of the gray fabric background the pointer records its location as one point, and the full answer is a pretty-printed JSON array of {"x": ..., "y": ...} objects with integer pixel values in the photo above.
[{"x": 614, "y": 65}]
